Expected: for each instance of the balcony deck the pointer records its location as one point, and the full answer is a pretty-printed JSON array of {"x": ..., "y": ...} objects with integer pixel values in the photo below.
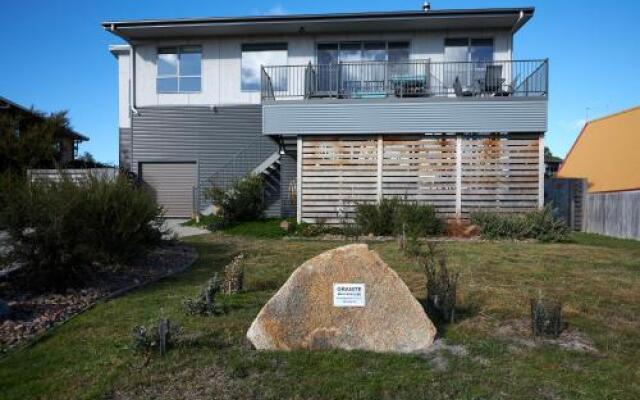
[
  {"x": 413, "y": 97},
  {"x": 412, "y": 79}
]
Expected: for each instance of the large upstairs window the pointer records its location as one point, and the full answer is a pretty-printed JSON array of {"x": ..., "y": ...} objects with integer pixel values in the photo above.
[
  {"x": 371, "y": 51},
  {"x": 468, "y": 58},
  {"x": 179, "y": 69},
  {"x": 255, "y": 55}
]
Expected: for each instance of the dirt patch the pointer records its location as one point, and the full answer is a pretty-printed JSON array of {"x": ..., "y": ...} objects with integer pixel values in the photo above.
[
  {"x": 518, "y": 332},
  {"x": 437, "y": 354},
  {"x": 32, "y": 314}
]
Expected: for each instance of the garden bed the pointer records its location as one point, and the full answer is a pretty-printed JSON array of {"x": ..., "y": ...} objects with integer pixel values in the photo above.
[{"x": 32, "y": 314}]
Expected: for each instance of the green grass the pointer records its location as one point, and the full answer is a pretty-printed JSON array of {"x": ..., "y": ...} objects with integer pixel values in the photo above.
[
  {"x": 598, "y": 281},
  {"x": 268, "y": 228}
]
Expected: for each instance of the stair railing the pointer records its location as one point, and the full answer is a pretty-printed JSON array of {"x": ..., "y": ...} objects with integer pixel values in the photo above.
[{"x": 243, "y": 162}]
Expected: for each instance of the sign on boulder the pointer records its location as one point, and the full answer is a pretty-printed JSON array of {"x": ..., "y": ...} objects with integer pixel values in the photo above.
[{"x": 346, "y": 298}]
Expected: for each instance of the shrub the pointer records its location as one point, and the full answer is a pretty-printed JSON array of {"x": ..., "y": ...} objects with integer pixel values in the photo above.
[
  {"x": 441, "y": 284},
  {"x": 243, "y": 201},
  {"x": 546, "y": 317},
  {"x": 205, "y": 303},
  {"x": 417, "y": 219},
  {"x": 60, "y": 229},
  {"x": 541, "y": 225},
  {"x": 155, "y": 338},
  {"x": 395, "y": 216}
]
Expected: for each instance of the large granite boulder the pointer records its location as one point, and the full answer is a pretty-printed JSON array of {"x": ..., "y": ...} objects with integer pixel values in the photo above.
[{"x": 302, "y": 315}]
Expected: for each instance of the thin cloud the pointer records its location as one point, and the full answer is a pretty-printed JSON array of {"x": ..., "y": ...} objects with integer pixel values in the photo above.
[{"x": 278, "y": 9}]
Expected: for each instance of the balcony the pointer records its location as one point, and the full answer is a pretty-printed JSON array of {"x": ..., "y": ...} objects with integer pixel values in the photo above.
[
  {"x": 417, "y": 96},
  {"x": 411, "y": 79}
]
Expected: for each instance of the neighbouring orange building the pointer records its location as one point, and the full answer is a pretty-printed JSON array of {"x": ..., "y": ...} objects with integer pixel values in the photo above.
[{"x": 607, "y": 153}]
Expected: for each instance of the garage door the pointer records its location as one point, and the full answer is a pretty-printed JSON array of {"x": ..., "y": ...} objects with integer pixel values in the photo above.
[{"x": 172, "y": 185}]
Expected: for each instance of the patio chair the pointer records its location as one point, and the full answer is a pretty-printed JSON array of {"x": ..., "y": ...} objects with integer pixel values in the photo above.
[
  {"x": 493, "y": 80},
  {"x": 457, "y": 88}
]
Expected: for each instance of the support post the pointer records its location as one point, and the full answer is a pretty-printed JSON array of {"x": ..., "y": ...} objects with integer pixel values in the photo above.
[
  {"x": 380, "y": 160},
  {"x": 458, "y": 176},
  {"x": 541, "y": 168},
  {"x": 299, "y": 179}
]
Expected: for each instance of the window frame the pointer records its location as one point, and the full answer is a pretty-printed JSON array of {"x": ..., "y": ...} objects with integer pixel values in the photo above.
[
  {"x": 263, "y": 46},
  {"x": 362, "y": 47},
  {"x": 179, "y": 51},
  {"x": 469, "y": 40}
]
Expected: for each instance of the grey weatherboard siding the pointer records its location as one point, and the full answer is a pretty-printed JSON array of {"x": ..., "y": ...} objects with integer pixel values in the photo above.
[
  {"x": 487, "y": 115},
  {"x": 124, "y": 140},
  {"x": 209, "y": 136}
]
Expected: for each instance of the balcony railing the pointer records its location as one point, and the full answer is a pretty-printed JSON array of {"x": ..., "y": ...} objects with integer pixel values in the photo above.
[{"x": 416, "y": 78}]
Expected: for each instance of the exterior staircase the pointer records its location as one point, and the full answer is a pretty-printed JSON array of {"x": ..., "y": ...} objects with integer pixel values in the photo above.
[{"x": 259, "y": 158}]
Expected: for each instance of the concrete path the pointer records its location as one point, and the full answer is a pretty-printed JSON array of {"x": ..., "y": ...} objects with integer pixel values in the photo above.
[{"x": 175, "y": 225}]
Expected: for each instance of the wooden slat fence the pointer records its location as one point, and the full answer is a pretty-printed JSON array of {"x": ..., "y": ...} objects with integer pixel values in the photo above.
[{"x": 614, "y": 214}]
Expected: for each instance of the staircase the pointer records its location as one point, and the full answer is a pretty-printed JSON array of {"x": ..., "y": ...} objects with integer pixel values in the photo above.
[{"x": 258, "y": 158}]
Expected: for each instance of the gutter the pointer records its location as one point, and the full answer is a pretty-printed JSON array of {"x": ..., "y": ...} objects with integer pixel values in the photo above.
[{"x": 519, "y": 22}]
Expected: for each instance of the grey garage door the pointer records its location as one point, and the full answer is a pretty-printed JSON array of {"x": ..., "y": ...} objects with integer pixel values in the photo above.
[{"x": 172, "y": 185}]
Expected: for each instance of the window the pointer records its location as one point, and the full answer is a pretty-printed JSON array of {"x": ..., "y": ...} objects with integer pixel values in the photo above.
[
  {"x": 332, "y": 53},
  {"x": 469, "y": 58},
  {"x": 179, "y": 69},
  {"x": 256, "y": 55},
  {"x": 357, "y": 77}
]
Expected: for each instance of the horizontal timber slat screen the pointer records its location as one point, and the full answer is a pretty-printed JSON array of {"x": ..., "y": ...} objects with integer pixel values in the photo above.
[
  {"x": 420, "y": 168},
  {"x": 336, "y": 174},
  {"x": 488, "y": 173},
  {"x": 499, "y": 174}
]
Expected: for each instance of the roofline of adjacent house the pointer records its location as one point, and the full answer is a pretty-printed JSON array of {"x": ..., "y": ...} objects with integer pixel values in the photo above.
[
  {"x": 584, "y": 128},
  {"x": 7, "y": 102},
  {"x": 523, "y": 12}
]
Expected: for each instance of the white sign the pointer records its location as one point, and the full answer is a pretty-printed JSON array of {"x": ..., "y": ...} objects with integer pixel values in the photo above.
[{"x": 348, "y": 295}]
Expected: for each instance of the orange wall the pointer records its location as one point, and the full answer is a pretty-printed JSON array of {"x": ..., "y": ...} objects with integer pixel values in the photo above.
[{"x": 607, "y": 153}]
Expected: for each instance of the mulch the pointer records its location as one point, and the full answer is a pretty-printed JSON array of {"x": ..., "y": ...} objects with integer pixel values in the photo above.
[{"x": 32, "y": 314}]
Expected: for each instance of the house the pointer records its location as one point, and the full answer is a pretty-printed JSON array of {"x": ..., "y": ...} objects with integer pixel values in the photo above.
[
  {"x": 336, "y": 109},
  {"x": 66, "y": 141},
  {"x": 605, "y": 154}
]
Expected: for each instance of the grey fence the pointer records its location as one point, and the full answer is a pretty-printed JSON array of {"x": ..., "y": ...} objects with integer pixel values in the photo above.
[
  {"x": 566, "y": 198},
  {"x": 614, "y": 214},
  {"x": 76, "y": 175}
]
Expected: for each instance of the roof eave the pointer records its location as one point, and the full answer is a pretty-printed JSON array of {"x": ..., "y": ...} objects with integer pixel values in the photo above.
[{"x": 127, "y": 29}]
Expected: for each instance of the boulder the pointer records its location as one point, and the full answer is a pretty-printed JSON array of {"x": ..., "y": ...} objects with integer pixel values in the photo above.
[{"x": 302, "y": 314}]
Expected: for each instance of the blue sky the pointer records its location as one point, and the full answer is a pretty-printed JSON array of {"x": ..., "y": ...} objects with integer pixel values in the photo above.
[{"x": 54, "y": 54}]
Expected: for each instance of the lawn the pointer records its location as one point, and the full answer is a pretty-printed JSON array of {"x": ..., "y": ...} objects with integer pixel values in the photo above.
[{"x": 597, "y": 278}]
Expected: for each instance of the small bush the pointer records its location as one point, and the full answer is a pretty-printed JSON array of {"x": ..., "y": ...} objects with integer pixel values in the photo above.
[
  {"x": 441, "y": 283},
  {"x": 394, "y": 216},
  {"x": 155, "y": 338},
  {"x": 243, "y": 201},
  {"x": 206, "y": 303},
  {"x": 62, "y": 230},
  {"x": 541, "y": 225},
  {"x": 546, "y": 317}
]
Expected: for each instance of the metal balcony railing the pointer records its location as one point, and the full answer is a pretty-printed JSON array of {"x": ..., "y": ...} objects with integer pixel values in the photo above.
[{"x": 416, "y": 78}]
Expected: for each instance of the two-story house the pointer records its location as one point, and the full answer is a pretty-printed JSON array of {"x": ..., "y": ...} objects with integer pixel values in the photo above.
[{"x": 336, "y": 109}]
